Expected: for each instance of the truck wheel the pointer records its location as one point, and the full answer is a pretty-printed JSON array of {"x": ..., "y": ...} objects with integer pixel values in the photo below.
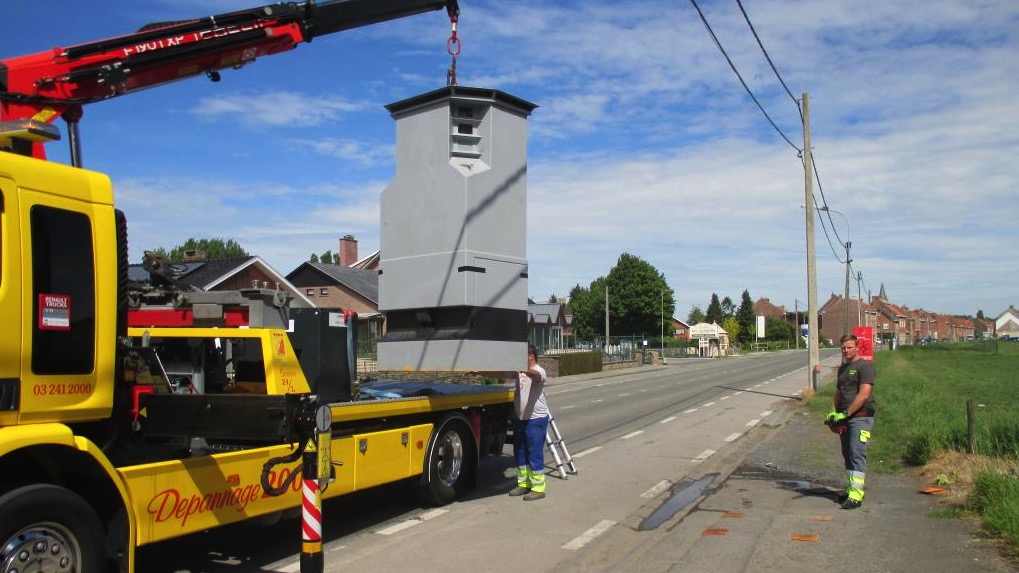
[
  {"x": 447, "y": 469},
  {"x": 49, "y": 529}
]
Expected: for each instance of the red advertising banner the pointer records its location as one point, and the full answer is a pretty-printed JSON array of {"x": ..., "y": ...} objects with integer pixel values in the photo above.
[{"x": 865, "y": 341}]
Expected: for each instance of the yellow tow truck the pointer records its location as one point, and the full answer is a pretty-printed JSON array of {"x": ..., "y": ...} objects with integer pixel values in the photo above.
[{"x": 123, "y": 424}]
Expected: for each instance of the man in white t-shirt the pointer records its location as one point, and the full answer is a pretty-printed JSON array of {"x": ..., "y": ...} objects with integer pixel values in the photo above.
[{"x": 529, "y": 428}]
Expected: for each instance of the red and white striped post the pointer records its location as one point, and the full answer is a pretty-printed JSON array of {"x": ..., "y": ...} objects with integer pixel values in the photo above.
[{"x": 311, "y": 513}]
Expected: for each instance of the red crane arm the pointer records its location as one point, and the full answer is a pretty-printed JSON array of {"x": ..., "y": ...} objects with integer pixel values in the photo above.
[{"x": 55, "y": 83}]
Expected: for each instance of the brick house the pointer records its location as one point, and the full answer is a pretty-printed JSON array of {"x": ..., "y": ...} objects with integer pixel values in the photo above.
[
  {"x": 680, "y": 330},
  {"x": 1006, "y": 324}
]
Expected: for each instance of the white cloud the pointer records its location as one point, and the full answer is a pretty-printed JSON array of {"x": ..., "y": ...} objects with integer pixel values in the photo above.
[{"x": 276, "y": 109}]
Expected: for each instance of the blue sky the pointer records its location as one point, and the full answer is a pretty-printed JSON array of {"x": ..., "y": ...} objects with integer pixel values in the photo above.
[{"x": 644, "y": 141}]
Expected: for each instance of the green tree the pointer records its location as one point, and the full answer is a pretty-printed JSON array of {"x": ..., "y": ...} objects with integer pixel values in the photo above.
[
  {"x": 731, "y": 326},
  {"x": 714, "y": 314},
  {"x": 778, "y": 329},
  {"x": 588, "y": 308},
  {"x": 313, "y": 258},
  {"x": 746, "y": 318},
  {"x": 640, "y": 302},
  {"x": 211, "y": 249},
  {"x": 552, "y": 298},
  {"x": 728, "y": 308},
  {"x": 328, "y": 258},
  {"x": 695, "y": 316},
  {"x": 636, "y": 293}
]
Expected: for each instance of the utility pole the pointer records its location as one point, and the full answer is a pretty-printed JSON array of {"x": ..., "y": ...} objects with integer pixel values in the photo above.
[
  {"x": 848, "y": 244},
  {"x": 606, "y": 318},
  {"x": 845, "y": 330},
  {"x": 813, "y": 354},
  {"x": 859, "y": 299},
  {"x": 796, "y": 305}
]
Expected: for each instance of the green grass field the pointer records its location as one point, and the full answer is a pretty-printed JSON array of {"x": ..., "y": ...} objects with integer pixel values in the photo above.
[{"x": 921, "y": 398}]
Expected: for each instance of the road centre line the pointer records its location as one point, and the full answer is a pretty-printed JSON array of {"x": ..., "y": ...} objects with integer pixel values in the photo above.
[
  {"x": 703, "y": 456},
  {"x": 667, "y": 420},
  {"x": 623, "y": 395},
  {"x": 753, "y": 423},
  {"x": 589, "y": 535},
  {"x": 598, "y": 400},
  {"x": 690, "y": 411},
  {"x": 657, "y": 489},
  {"x": 708, "y": 404},
  {"x": 733, "y": 437},
  {"x": 408, "y": 523},
  {"x": 586, "y": 452},
  {"x": 726, "y": 397},
  {"x": 632, "y": 435}
]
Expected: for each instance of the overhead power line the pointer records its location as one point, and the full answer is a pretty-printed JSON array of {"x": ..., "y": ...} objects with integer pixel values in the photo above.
[
  {"x": 796, "y": 102},
  {"x": 741, "y": 81}
]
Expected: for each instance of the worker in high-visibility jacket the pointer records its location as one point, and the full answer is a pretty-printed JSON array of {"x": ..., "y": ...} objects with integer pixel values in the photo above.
[{"x": 530, "y": 428}]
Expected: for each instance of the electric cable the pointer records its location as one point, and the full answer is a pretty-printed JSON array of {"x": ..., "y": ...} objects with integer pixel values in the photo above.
[
  {"x": 741, "y": 81},
  {"x": 767, "y": 57}
]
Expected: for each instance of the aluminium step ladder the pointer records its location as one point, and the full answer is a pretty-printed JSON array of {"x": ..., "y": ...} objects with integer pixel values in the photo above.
[{"x": 557, "y": 445}]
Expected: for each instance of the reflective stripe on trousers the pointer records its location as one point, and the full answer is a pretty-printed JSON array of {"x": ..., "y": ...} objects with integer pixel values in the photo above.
[
  {"x": 854, "y": 452},
  {"x": 523, "y": 476}
]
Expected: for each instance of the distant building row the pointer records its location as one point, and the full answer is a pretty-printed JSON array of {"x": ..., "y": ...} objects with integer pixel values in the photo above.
[
  {"x": 895, "y": 321},
  {"x": 353, "y": 284}
]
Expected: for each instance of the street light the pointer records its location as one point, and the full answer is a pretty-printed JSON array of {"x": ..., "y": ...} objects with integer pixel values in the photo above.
[
  {"x": 662, "y": 338},
  {"x": 848, "y": 244}
]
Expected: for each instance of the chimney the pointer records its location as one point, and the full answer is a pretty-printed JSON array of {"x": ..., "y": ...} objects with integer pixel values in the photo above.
[
  {"x": 348, "y": 250},
  {"x": 193, "y": 256}
]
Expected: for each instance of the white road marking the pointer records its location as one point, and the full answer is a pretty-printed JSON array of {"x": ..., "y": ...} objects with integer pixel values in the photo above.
[
  {"x": 690, "y": 411},
  {"x": 598, "y": 400},
  {"x": 667, "y": 420},
  {"x": 704, "y": 455},
  {"x": 766, "y": 413},
  {"x": 623, "y": 395},
  {"x": 589, "y": 535},
  {"x": 753, "y": 423},
  {"x": 408, "y": 523},
  {"x": 725, "y": 397},
  {"x": 399, "y": 527},
  {"x": 632, "y": 434},
  {"x": 733, "y": 437},
  {"x": 708, "y": 404},
  {"x": 657, "y": 489},
  {"x": 586, "y": 452},
  {"x": 432, "y": 514},
  {"x": 567, "y": 407}
]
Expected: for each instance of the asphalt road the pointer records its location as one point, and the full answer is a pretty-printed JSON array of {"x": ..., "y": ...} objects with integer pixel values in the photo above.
[{"x": 634, "y": 435}]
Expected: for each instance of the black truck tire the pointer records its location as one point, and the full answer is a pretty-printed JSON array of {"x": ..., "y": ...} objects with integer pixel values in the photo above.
[
  {"x": 51, "y": 529},
  {"x": 449, "y": 465}
]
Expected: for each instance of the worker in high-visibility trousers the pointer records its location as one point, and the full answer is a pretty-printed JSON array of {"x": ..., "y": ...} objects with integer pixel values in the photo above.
[
  {"x": 530, "y": 428},
  {"x": 852, "y": 417}
]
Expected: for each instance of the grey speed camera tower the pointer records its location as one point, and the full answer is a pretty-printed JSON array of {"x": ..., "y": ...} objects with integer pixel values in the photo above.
[{"x": 453, "y": 268}]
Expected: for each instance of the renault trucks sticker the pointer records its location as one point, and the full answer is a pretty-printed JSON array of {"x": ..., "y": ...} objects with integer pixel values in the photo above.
[{"x": 54, "y": 312}]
